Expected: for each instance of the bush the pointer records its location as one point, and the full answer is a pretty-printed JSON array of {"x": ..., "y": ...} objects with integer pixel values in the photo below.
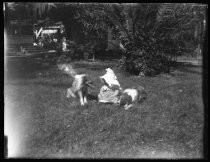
[
  {"x": 138, "y": 61},
  {"x": 143, "y": 55}
]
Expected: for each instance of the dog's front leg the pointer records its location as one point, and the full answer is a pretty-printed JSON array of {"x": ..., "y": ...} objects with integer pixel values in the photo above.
[
  {"x": 81, "y": 98},
  {"x": 85, "y": 95},
  {"x": 85, "y": 99}
]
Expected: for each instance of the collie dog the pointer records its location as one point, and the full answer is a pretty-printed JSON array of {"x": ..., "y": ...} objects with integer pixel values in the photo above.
[
  {"x": 79, "y": 88},
  {"x": 131, "y": 96},
  {"x": 80, "y": 85}
]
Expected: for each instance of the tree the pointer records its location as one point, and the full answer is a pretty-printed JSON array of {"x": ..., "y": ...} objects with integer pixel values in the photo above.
[
  {"x": 182, "y": 21},
  {"x": 152, "y": 34},
  {"x": 161, "y": 28}
]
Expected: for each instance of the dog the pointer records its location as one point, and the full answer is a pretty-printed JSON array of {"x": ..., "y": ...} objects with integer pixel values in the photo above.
[
  {"x": 131, "y": 96},
  {"x": 79, "y": 88},
  {"x": 80, "y": 85}
]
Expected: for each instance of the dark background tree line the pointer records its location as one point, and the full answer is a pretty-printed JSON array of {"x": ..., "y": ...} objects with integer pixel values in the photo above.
[{"x": 152, "y": 34}]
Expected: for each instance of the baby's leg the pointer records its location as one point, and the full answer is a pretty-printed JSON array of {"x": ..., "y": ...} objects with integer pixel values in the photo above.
[{"x": 85, "y": 93}]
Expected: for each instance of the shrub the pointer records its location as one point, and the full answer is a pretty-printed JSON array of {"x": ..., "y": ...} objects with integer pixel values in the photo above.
[{"x": 144, "y": 57}]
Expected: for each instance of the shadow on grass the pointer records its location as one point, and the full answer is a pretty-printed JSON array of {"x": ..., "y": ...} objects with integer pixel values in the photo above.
[{"x": 92, "y": 97}]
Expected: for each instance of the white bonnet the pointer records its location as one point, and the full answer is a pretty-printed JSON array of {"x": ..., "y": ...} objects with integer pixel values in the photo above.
[{"x": 110, "y": 77}]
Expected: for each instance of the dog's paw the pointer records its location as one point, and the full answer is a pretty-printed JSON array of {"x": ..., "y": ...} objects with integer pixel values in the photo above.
[
  {"x": 127, "y": 107},
  {"x": 85, "y": 106}
]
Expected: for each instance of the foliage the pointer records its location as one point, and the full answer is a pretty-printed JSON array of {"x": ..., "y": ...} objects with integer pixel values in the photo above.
[
  {"x": 152, "y": 34},
  {"x": 158, "y": 31},
  {"x": 136, "y": 33},
  {"x": 180, "y": 23},
  {"x": 144, "y": 60}
]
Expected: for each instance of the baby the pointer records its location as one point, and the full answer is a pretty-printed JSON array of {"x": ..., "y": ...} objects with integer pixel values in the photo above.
[{"x": 110, "y": 91}]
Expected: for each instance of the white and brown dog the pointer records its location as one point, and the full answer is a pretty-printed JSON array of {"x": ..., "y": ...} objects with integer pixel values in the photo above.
[
  {"x": 79, "y": 88},
  {"x": 131, "y": 96},
  {"x": 80, "y": 85}
]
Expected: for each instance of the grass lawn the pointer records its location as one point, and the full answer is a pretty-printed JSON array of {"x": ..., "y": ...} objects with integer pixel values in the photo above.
[{"x": 43, "y": 123}]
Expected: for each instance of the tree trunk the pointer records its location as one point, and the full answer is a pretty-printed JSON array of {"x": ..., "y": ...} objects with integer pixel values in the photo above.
[
  {"x": 199, "y": 49},
  {"x": 109, "y": 38},
  {"x": 93, "y": 59},
  {"x": 199, "y": 53},
  {"x": 86, "y": 54}
]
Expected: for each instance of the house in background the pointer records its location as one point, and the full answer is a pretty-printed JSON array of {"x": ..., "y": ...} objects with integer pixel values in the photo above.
[
  {"x": 48, "y": 33},
  {"x": 22, "y": 31}
]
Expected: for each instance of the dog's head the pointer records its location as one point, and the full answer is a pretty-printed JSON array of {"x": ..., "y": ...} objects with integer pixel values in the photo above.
[
  {"x": 83, "y": 80},
  {"x": 125, "y": 99},
  {"x": 89, "y": 83}
]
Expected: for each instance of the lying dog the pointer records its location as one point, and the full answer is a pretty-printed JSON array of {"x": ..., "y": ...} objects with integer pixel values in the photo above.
[
  {"x": 131, "y": 96},
  {"x": 79, "y": 88}
]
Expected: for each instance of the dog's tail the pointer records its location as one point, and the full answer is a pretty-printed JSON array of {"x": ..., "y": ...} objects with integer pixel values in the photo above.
[
  {"x": 142, "y": 94},
  {"x": 68, "y": 69}
]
